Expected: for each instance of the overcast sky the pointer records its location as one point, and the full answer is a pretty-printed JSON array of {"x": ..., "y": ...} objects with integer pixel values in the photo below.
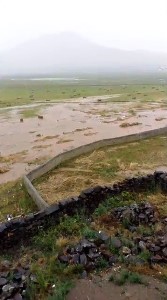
[{"x": 125, "y": 24}]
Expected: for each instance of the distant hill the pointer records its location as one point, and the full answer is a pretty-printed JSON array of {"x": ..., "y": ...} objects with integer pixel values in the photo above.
[{"x": 69, "y": 52}]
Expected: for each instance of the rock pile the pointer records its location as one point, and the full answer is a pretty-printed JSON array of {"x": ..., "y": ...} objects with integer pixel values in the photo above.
[
  {"x": 89, "y": 253},
  {"x": 136, "y": 214},
  {"x": 149, "y": 246},
  {"x": 14, "y": 281}
]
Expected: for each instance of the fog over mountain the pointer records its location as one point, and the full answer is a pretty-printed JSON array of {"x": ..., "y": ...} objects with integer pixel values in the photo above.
[{"x": 69, "y": 52}]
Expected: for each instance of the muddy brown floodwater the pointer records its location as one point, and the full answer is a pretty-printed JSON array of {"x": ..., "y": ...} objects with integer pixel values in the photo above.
[{"x": 65, "y": 125}]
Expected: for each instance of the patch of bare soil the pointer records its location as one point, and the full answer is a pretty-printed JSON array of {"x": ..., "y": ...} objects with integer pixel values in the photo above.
[{"x": 102, "y": 289}]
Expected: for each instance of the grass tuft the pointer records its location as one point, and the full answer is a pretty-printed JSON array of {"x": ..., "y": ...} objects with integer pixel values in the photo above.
[{"x": 126, "y": 276}]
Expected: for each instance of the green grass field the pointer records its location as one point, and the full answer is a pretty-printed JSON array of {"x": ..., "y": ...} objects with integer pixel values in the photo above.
[{"x": 19, "y": 92}]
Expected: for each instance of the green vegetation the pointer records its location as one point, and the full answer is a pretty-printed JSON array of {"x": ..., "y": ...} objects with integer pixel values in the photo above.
[
  {"x": 26, "y": 92},
  {"x": 89, "y": 233},
  {"x": 145, "y": 230},
  {"x": 15, "y": 200},
  {"x": 145, "y": 255},
  {"x": 61, "y": 290},
  {"x": 30, "y": 113},
  {"x": 19, "y": 92},
  {"x": 54, "y": 278},
  {"x": 122, "y": 200},
  {"x": 101, "y": 264},
  {"x": 75, "y": 226},
  {"x": 126, "y": 276}
]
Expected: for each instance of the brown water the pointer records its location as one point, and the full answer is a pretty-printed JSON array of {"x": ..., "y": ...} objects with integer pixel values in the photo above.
[{"x": 65, "y": 126}]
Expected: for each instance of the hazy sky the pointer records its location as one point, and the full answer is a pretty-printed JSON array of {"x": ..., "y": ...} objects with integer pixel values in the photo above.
[{"x": 127, "y": 24}]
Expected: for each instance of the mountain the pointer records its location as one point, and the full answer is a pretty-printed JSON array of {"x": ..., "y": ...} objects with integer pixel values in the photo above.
[{"x": 69, "y": 52}]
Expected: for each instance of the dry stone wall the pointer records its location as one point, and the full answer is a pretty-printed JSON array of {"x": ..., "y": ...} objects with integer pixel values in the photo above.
[{"x": 20, "y": 230}]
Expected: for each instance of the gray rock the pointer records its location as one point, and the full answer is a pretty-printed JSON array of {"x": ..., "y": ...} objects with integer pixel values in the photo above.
[
  {"x": 6, "y": 288},
  {"x": 154, "y": 248},
  {"x": 64, "y": 258},
  {"x": 103, "y": 237},
  {"x": 2, "y": 227},
  {"x": 83, "y": 259},
  {"x": 18, "y": 296},
  {"x": 75, "y": 258},
  {"x": 115, "y": 242},
  {"x": 3, "y": 281},
  {"x": 156, "y": 259},
  {"x": 165, "y": 239},
  {"x": 86, "y": 244},
  {"x": 4, "y": 274},
  {"x": 78, "y": 248},
  {"x": 23, "y": 277},
  {"x": 33, "y": 278},
  {"x": 84, "y": 275},
  {"x": 142, "y": 217},
  {"x": 142, "y": 246},
  {"x": 113, "y": 259},
  {"x": 164, "y": 251},
  {"x": 93, "y": 255},
  {"x": 11, "y": 288},
  {"x": 134, "y": 260}
]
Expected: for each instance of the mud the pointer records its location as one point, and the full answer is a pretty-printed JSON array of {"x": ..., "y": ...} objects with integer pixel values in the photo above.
[{"x": 67, "y": 125}]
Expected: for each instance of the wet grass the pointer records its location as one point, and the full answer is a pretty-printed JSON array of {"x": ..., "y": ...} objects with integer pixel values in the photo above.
[
  {"x": 30, "y": 113},
  {"x": 15, "y": 200},
  {"x": 27, "y": 92}
]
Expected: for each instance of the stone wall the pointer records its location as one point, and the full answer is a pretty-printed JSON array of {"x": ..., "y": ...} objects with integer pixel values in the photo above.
[{"x": 20, "y": 230}]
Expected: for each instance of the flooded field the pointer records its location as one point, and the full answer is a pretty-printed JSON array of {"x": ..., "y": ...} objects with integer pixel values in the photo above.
[{"x": 33, "y": 133}]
